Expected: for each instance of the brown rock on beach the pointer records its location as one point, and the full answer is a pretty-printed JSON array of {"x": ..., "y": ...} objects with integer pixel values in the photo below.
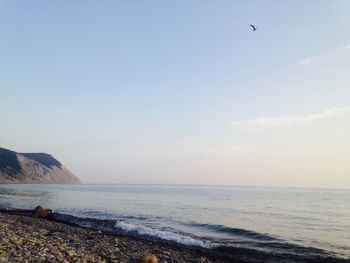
[
  {"x": 148, "y": 258},
  {"x": 41, "y": 212}
]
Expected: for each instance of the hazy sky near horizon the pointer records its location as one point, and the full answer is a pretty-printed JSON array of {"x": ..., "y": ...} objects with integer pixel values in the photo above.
[{"x": 180, "y": 91}]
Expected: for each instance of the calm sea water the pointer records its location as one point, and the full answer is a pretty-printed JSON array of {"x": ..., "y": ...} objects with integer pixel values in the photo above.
[{"x": 279, "y": 220}]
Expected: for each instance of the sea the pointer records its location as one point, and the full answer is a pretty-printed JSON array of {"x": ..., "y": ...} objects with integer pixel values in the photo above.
[{"x": 286, "y": 221}]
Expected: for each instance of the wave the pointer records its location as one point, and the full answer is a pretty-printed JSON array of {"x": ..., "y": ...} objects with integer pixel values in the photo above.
[
  {"x": 234, "y": 231},
  {"x": 258, "y": 241},
  {"x": 247, "y": 238},
  {"x": 163, "y": 234},
  {"x": 129, "y": 228},
  {"x": 101, "y": 224}
]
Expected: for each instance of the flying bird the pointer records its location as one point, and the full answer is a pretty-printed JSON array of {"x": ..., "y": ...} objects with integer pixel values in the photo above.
[{"x": 254, "y": 28}]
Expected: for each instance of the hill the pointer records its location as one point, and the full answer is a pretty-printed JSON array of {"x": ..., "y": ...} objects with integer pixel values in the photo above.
[{"x": 33, "y": 168}]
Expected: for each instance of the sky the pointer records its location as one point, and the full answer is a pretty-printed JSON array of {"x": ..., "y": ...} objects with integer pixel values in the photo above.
[{"x": 180, "y": 92}]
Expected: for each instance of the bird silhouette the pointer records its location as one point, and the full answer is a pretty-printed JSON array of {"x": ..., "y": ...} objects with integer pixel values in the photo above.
[{"x": 254, "y": 28}]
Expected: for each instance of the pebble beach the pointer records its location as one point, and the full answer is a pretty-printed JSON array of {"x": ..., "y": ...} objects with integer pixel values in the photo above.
[{"x": 27, "y": 239}]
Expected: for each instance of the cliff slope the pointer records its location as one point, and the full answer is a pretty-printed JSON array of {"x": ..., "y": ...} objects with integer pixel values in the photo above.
[{"x": 33, "y": 168}]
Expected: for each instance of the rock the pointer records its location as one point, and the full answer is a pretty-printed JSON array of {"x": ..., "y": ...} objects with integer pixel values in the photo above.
[
  {"x": 17, "y": 242},
  {"x": 41, "y": 212},
  {"x": 148, "y": 258},
  {"x": 32, "y": 241},
  {"x": 202, "y": 260},
  {"x": 61, "y": 248},
  {"x": 71, "y": 253}
]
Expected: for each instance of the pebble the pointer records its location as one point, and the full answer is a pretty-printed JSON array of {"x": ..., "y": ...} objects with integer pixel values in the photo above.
[{"x": 71, "y": 253}]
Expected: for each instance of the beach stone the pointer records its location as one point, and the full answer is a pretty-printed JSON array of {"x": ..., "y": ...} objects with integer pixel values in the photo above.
[
  {"x": 71, "y": 253},
  {"x": 41, "y": 212},
  {"x": 17, "y": 242},
  {"x": 61, "y": 248},
  {"x": 148, "y": 258},
  {"x": 202, "y": 260}
]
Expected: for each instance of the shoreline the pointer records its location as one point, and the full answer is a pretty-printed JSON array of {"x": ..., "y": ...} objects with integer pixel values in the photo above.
[
  {"x": 24, "y": 238},
  {"x": 27, "y": 239}
]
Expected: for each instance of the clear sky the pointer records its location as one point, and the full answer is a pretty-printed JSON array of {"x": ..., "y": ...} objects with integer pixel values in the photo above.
[{"x": 180, "y": 91}]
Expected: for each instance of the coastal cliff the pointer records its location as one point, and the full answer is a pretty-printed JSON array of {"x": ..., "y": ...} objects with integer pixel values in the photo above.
[{"x": 33, "y": 168}]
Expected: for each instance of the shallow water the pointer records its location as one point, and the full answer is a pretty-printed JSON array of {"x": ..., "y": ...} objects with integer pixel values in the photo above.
[{"x": 279, "y": 220}]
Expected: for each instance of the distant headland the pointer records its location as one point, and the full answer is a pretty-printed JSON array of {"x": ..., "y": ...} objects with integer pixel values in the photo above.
[{"x": 33, "y": 168}]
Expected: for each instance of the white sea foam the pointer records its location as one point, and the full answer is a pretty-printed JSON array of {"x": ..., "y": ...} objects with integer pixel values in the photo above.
[{"x": 165, "y": 235}]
